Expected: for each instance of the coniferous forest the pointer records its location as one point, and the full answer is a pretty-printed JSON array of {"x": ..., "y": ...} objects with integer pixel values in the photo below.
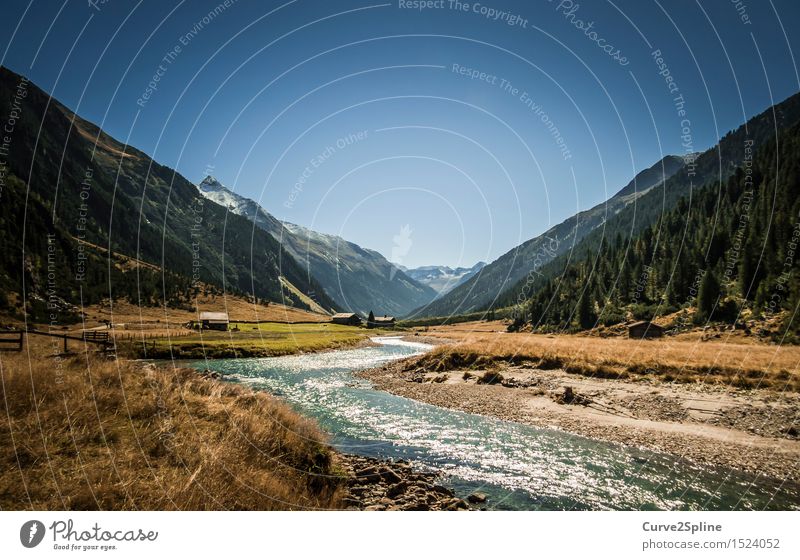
[{"x": 726, "y": 252}]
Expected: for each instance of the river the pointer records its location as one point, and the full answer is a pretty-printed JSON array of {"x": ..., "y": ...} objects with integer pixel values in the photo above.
[{"x": 519, "y": 467}]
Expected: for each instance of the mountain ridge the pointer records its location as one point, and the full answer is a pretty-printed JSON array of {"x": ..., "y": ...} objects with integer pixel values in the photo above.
[{"x": 713, "y": 166}]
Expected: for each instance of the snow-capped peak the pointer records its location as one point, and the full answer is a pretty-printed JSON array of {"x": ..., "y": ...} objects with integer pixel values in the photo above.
[{"x": 215, "y": 191}]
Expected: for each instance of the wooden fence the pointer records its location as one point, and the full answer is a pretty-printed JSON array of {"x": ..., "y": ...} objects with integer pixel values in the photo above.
[{"x": 11, "y": 341}]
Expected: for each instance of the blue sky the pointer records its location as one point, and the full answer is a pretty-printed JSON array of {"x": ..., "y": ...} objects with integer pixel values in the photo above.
[{"x": 359, "y": 118}]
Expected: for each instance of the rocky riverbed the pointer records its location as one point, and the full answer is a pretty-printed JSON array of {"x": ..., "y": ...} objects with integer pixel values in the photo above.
[
  {"x": 375, "y": 485},
  {"x": 751, "y": 431}
]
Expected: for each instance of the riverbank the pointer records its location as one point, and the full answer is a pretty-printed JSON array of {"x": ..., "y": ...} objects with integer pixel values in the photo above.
[
  {"x": 752, "y": 431},
  {"x": 85, "y": 434},
  {"x": 717, "y": 361}
]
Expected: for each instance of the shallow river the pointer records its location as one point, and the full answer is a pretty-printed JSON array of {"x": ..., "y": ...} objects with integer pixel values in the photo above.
[{"x": 517, "y": 466}]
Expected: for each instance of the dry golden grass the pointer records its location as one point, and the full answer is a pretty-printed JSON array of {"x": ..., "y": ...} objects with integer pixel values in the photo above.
[
  {"x": 667, "y": 359},
  {"x": 97, "y": 434}
]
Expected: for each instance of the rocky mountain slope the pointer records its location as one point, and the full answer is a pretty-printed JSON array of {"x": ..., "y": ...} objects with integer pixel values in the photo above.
[{"x": 360, "y": 279}]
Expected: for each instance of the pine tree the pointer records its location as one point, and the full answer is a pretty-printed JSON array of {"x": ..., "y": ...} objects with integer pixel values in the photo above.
[
  {"x": 586, "y": 315},
  {"x": 707, "y": 296}
]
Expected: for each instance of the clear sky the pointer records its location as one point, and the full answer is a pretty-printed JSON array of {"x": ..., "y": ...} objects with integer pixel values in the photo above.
[{"x": 365, "y": 119}]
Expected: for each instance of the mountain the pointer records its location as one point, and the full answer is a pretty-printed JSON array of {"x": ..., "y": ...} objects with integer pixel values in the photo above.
[
  {"x": 442, "y": 278},
  {"x": 720, "y": 257},
  {"x": 712, "y": 167},
  {"x": 480, "y": 291},
  {"x": 361, "y": 279},
  {"x": 71, "y": 182}
]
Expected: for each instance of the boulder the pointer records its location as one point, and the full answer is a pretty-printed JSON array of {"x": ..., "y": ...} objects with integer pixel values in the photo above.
[
  {"x": 369, "y": 474},
  {"x": 390, "y": 476},
  {"x": 397, "y": 489}
]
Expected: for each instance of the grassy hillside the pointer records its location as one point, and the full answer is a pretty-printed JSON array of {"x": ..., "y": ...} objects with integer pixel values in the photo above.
[
  {"x": 717, "y": 362},
  {"x": 113, "y": 435}
]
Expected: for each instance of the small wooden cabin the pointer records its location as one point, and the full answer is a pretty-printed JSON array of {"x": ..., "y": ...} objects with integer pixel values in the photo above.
[
  {"x": 351, "y": 319},
  {"x": 382, "y": 322},
  {"x": 210, "y": 320},
  {"x": 645, "y": 329}
]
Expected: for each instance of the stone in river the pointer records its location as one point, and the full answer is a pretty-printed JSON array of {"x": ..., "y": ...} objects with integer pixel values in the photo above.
[{"x": 477, "y": 498}]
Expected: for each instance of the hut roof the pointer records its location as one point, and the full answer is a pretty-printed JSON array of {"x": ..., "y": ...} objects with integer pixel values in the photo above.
[
  {"x": 344, "y": 315},
  {"x": 644, "y": 324},
  {"x": 214, "y": 316}
]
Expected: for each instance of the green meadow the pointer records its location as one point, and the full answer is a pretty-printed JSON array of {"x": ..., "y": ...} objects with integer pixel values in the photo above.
[{"x": 244, "y": 340}]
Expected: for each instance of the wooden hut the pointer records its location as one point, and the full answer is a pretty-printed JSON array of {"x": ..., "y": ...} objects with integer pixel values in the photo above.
[
  {"x": 645, "y": 329},
  {"x": 351, "y": 319},
  {"x": 217, "y": 321},
  {"x": 385, "y": 322}
]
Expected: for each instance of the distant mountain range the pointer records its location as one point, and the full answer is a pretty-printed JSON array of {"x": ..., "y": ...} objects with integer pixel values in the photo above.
[
  {"x": 442, "y": 278},
  {"x": 360, "y": 279}
]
